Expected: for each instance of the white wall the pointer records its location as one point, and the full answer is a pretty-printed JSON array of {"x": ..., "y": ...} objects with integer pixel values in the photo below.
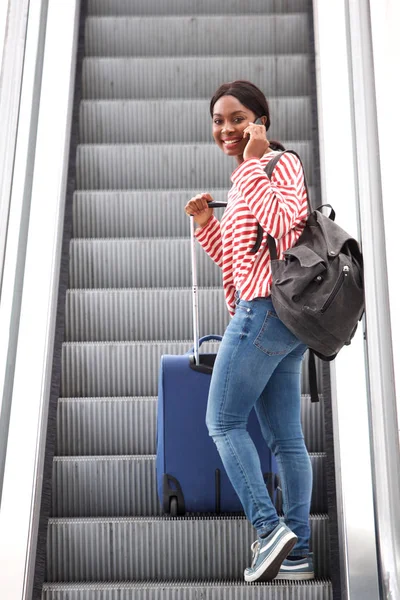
[
  {"x": 385, "y": 18},
  {"x": 3, "y": 22}
]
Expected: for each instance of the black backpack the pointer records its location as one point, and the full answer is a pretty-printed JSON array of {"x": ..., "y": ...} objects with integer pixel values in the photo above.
[{"x": 317, "y": 288}]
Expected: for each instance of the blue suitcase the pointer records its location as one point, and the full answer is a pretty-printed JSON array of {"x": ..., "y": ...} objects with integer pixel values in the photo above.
[{"x": 190, "y": 474}]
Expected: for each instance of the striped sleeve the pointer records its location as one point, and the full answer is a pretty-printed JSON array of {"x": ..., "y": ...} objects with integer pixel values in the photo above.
[
  {"x": 210, "y": 239},
  {"x": 276, "y": 204}
]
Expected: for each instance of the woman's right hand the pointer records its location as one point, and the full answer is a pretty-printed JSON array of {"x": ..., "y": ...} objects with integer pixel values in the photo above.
[{"x": 198, "y": 208}]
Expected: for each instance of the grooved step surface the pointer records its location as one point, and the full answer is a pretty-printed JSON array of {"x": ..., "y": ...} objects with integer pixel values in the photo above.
[
  {"x": 161, "y": 548},
  {"x": 142, "y": 314},
  {"x": 179, "y": 121},
  {"x": 143, "y": 263},
  {"x": 105, "y": 426},
  {"x": 122, "y": 368},
  {"x": 112, "y": 426},
  {"x": 193, "y": 7},
  {"x": 196, "y": 36},
  {"x": 128, "y": 78},
  {"x": 124, "y": 486},
  {"x": 163, "y": 166},
  {"x": 165, "y": 590},
  {"x": 142, "y": 213}
]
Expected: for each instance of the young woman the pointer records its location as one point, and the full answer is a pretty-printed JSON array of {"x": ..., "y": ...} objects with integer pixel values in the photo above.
[{"x": 259, "y": 360}]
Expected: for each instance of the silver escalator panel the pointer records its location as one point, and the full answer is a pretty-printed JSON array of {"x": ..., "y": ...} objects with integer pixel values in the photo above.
[{"x": 145, "y": 148}]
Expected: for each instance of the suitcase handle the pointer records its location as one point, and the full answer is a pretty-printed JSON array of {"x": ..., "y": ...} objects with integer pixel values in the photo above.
[
  {"x": 194, "y": 284},
  {"x": 206, "y": 338},
  {"x": 217, "y": 204}
]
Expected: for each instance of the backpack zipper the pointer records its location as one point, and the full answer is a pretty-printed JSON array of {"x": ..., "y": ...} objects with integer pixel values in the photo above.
[{"x": 335, "y": 291}]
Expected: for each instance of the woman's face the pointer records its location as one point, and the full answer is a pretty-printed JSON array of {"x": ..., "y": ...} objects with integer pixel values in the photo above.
[{"x": 230, "y": 119}]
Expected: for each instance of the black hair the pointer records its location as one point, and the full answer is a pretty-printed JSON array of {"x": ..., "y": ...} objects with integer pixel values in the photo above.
[{"x": 251, "y": 97}]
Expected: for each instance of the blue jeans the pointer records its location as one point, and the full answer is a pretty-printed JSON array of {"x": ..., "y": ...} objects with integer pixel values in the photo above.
[{"x": 259, "y": 365}]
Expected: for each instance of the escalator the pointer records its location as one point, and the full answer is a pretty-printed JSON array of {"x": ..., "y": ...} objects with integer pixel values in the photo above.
[{"x": 145, "y": 147}]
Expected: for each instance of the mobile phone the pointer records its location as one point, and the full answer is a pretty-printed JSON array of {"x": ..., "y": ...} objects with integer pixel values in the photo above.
[{"x": 258, "y": 121}]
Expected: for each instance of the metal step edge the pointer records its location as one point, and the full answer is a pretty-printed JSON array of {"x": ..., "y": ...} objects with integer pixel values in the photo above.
[
  {"x": 79, "y": 416},
  {"x": 190, "y": 590},
  {"x": 175, "y": 145},
  {"x": 127, "y": 485},
  {"x": 192, "y": 518},
  {"x": 80, "y": 549},
  {"x": 275, "y": 100},
  {"x": 234, "y": 15},
  {"x": 215, "y": 57},
  {"x": 133, "y": 457},
  {"x": 254, "y": 7}
]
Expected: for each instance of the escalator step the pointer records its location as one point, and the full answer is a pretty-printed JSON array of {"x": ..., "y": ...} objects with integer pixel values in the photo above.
[
  {"x": 124, "y": 486},
  {"x": 234, "y": 35},
  {"x": 163, "y": 166},
  {"x": 192, "y": 77},
  {"x": 107, "y": 369},
  {"x": 165, "y": 590},
  {"x": 142, "y": 213},
  {"x": 161, "y": 548},
  {"x": 138, "y": 263},
  {"x": 142, "y": 314},
  {"x": 112, "y": 426},
  {"x": 194, "y": 7},
  {"x": 179, "y": 121}
]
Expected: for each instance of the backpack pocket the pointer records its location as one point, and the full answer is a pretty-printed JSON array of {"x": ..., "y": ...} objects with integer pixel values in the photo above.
[
  {"x": 300, "y": 269},
  {"x": 340, "y": 303}
]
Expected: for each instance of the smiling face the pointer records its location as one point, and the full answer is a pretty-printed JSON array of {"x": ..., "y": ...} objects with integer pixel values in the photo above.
[{"x": 230, "y": 119}]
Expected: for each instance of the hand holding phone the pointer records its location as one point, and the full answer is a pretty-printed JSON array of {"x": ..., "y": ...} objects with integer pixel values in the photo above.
[{"x": 257, "y": 144}]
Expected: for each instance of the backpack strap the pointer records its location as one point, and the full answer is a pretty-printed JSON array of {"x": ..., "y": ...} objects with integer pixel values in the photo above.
[
  {"x": 269, "y": 169},
  {"x": 312, "y": 376}
]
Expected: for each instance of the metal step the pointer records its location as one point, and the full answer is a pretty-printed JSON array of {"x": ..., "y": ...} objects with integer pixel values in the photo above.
[
  {"x": 233, "y": 35},
  {"x": 157, "y": 121},
  {"x": 142, "y": 213},
  {"x": 133, "y": 213},
  {"x": 142, "y": 314},
  {"x": 142, "y": 263},
  {"x": 159, "y": 548},
  {"x": 107, "y": 369},
  {"x": 194, "y": 7},
  {"x": 163, "y": 166},
  {"x": 106, "y": 426},
  {"x": 124, "y": 486},
  {"x": 187, "y": 590},
  {"x": 127, "y": 426},
  {"x": 192, "y": 77}
]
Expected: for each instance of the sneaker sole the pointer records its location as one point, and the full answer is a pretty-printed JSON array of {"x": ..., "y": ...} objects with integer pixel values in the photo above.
[{"x": 269, "y": 569}]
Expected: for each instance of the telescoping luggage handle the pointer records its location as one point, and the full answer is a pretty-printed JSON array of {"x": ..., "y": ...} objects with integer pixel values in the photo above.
[{"x": 197, "y": 341}]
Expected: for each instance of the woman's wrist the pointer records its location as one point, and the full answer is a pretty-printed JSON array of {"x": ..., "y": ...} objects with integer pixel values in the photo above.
[{"x": 203, "y": 225}]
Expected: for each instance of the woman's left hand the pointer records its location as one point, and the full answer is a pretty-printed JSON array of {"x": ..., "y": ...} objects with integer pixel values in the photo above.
[{"x": 258, "y": 144}]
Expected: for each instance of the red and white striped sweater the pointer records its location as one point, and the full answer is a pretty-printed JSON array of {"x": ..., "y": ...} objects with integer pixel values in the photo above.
[{"x": 279, "y": 205}]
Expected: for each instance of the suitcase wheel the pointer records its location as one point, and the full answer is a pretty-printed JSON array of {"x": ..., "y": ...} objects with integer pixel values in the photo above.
[
  {"x": 173, "y": 500},
  {"x": 173, "y": 506}
]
